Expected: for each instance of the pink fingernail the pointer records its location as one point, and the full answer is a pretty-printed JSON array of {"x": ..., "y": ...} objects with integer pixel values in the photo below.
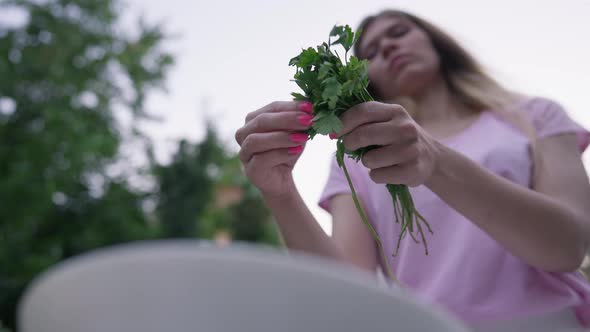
[
  {"x": 332, "y": 136},
  {"x": 305, "y": 120},
  {"x": 306, "y": 107},
  {"x": 295, "y": 150},
  {"x": 299, "y": 137}
]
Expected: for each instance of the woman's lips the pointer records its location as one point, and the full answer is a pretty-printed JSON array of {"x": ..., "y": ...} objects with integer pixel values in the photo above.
[{"x": 398, "y": 61}]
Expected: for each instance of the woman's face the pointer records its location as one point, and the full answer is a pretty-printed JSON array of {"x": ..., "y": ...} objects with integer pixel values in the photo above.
[{"x": 402, "y": 60}]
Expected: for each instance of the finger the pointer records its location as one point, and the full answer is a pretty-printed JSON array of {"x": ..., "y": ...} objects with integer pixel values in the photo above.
[
  {"x": 263, "y": 142},
  {"x": 390, "y": 155},
  {"x": 269, "y": 159},
  {"x": 405, "y": 173},
  {"x": 368, "y": 112},
  {"x": 379, "y": 133},
  {"x": 281, "y": 106},
  {"x": 268, "y": 122}
]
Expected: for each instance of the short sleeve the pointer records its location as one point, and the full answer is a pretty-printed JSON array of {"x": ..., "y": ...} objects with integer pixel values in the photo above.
[
  {"x": 550, "y": 118},
  {"x": 337, "y": 183}
]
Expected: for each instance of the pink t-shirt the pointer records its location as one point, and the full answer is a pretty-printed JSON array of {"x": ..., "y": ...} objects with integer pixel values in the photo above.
[{"x": 467, "y": 271}]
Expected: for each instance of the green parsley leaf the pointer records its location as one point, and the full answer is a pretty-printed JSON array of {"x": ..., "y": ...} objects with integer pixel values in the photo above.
[
  {"x": 327, "y": 124},
  {"x": 333, "y": 87},
  {"x": 298, "y": 96},
  {"x": 332, "y": 90}
]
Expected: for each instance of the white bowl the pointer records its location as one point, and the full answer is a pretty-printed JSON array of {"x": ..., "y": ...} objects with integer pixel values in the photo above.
[{"x": 183, "y": 285}]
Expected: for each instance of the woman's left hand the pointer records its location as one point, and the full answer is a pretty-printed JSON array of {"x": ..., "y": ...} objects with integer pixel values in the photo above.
[{"x": 407, "y": 154}]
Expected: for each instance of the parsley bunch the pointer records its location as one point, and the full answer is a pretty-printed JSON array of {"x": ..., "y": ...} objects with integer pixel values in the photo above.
[{"x": 334, "y": 86}]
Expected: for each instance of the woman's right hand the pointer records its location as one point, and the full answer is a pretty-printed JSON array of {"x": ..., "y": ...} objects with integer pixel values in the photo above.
[{"x": 271, "y": 142}]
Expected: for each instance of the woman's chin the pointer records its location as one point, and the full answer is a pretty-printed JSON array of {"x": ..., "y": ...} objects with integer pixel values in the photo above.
[{"x": 410, "y": 83}]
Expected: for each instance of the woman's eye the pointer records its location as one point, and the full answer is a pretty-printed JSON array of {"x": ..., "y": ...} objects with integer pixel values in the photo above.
[
  {"x": 395, "y": 31},
  {"x": 398, "y": 30},
  {"x": 370, "y": 52}
]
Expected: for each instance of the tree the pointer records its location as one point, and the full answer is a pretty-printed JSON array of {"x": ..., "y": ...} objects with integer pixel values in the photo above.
[
  {"x": 64, "y": 75},
  {"x": 185, "y": 187},
  {"x": 203, "y": 191}
]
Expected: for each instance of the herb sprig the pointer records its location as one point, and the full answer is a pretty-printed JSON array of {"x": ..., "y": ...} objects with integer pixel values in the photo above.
[{"x": 333, "y": 86}]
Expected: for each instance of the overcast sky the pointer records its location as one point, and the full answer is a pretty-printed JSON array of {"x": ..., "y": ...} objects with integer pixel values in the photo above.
[{"x": 232, "y": 59}]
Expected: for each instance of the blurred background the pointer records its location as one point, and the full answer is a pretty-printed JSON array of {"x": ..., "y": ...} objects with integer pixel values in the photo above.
[{"x": 117, "y": 116}]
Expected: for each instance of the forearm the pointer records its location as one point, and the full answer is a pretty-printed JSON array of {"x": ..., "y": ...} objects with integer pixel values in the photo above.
[
  {"x": 540, "y": 230},
  {"x": 299, "y": 228}
]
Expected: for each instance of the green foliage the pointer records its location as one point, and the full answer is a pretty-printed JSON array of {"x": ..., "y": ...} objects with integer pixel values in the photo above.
[
  {"x": 185, "y": 188},
  {"x": 250, "y": 220},
  {"x": 188, "y": 193},
  {"x": 247, "y": 220},
  {"x": 64, "y": 72},
  {"x": 334, "y": 85},
  {"x": 331, "y": 85},
  {"x": 325, "y": 123},
  {"x": 67, "y": 72}
]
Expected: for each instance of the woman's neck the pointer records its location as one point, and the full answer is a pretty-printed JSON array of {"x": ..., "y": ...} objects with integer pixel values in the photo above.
[{"x": 436, "y": 104}]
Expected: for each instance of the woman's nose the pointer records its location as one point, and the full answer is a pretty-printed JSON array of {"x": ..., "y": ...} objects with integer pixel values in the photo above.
[{"x": 387, "y": 46}]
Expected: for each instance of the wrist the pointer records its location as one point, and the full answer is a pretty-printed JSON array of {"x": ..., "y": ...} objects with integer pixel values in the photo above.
[
  {"x": 287, "y": 193},
  {"x": 440, "y": 153}
]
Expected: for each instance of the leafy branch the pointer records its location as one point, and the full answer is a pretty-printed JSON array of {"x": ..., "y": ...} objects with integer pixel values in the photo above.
[{"x": 333, "y": 85}]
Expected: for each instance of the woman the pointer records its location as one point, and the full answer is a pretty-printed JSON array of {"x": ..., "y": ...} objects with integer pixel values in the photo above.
[{"x": 497, "y": 175}]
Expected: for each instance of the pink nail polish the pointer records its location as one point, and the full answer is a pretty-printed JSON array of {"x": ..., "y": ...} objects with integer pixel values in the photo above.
[
  {"x": 332, "y": 136},
  {"x": 305, "y": 119},
  {"x": 299, "y": 137},
  {"x": 295, "y": 150},
  {"x": 306, "y": 107}
]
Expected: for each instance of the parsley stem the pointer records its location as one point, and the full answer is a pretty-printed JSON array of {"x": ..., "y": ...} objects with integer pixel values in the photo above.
[
  {"x": 334, "y": 84},
  {"x": 369, "y": 226},
  {"x": 400, "y": 194}
]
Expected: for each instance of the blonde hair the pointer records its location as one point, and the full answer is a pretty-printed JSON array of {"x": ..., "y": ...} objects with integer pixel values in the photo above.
[{"x": 466, "y": 79}]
